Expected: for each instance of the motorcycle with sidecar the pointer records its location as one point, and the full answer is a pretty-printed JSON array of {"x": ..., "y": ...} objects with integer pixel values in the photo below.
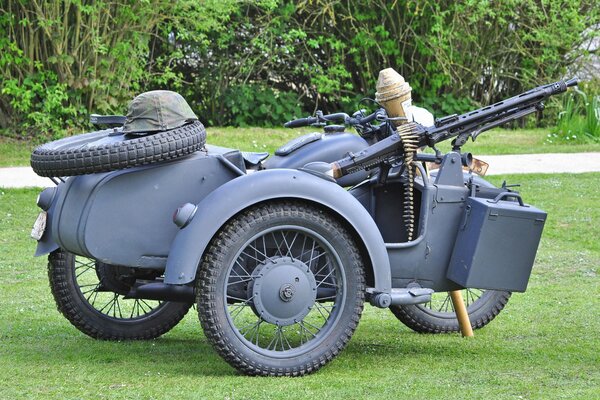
[{"x": 280, "y": 254}]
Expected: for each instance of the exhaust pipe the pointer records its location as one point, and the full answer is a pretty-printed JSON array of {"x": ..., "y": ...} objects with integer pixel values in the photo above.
[{"x": 163, "y": 292}]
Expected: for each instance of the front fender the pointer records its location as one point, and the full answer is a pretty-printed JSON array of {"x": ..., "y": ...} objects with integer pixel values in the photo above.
[{"x": 236, "y": 195}]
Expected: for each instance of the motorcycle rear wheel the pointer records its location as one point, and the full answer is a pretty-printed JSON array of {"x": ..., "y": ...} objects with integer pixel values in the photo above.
[
  {"x": 95, "y": 310},
  {"x": 438, "y": 315}
]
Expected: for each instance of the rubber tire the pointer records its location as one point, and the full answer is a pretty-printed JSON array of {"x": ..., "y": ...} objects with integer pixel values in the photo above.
[
  {"x": 417, "y": 317},
  {"x": 214, "y": 269},
  {"x": 84, "y": 317},
  {"x": 67, "y": 157}
]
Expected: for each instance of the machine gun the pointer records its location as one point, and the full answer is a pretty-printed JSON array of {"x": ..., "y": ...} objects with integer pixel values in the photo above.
[{"x": 410, "y": 136}]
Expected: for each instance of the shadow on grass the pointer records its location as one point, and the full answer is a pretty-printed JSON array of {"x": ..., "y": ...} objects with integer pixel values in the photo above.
[{"x": 173, "y": 355}]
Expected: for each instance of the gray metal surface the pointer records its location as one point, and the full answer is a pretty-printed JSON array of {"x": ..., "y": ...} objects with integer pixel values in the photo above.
[
  {"x": 496, "y": 245},
  {"x": 125, "y": 217},
  {"x": 222, "y": 204},
  {"x": 319, "y": 147},
  {"x": 423, "y": 260}
]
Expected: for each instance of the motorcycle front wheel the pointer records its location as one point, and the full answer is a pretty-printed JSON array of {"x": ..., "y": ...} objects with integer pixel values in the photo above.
[
  {"x": 91, "y": 296},
  {"x": 281, "y": 289},
  {"x": 438, "y": 316}
]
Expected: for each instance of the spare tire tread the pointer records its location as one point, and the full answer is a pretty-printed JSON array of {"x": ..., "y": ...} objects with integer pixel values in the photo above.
[{"x": 52, "y": 159}]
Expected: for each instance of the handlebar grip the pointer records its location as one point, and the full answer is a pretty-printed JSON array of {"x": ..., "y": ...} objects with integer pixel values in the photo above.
[
  {"x": 296, "y": 123},
  {"x": 96, "y": 119}
]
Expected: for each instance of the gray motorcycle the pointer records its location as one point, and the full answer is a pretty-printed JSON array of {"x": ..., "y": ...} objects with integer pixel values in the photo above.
[{"x": 280, "y": 254}]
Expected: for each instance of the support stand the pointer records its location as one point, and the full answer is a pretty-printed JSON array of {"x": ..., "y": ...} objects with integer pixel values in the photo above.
[{"x": 461, "y": 313}]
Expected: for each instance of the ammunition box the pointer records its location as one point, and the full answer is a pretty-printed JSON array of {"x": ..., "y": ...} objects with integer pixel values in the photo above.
[{"x": 496, "y": 244}]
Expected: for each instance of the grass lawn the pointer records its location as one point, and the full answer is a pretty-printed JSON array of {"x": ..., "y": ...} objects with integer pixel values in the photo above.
[
  {"x": 498, "y": 141},
  {"x": 544, "y": 345}
]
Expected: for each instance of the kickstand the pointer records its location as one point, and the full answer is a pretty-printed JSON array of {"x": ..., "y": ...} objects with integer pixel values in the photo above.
[{"x": 461, "y": 313}]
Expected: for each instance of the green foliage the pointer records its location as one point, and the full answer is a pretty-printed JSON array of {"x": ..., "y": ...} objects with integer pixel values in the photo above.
[
  {"x": 580, "y": 119},
  {"x": 256, "y": 105},
  {"x": 43, "y": 101},
  {"x": 454, "y": 54},
  {"x": 63, "y": 59},
  {"x": 447, "y": 104}
]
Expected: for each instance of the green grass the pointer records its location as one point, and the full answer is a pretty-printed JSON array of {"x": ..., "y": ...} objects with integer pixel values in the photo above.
[
  {"x": 544, "y": 345},
  {"x": 498, "y": 141},
  {"x": 521, "y": 141},
  {"x": 14, "y": 153}
]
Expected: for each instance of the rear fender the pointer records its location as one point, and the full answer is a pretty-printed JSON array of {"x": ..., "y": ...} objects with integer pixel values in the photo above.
[{"x": 236, "y": 195}]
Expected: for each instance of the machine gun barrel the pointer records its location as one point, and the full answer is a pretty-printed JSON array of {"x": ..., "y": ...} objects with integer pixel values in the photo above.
[
  {"x": 463, "y": 126},
  {"x": 496, "y": 114}
]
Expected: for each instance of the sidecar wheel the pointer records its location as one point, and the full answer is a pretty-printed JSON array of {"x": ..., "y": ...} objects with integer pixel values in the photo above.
[
  {"x": 102, "y": 151},
  {"x": 438, "y": 315},
  {"x": 98, "y": 312},
  {"x": 281, "y": 290}
]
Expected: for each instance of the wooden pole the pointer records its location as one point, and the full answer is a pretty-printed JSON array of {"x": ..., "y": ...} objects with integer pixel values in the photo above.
[{"x": 461, "y": 313}]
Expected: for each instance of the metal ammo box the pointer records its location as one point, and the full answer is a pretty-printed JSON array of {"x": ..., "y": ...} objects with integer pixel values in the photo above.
[{"x": 496, "y": 244}]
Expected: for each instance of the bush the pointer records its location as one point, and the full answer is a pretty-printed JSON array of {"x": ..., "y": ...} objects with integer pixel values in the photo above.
[
  {"x": 263, "y": 62},
  {"x": 256, "y": 105}
]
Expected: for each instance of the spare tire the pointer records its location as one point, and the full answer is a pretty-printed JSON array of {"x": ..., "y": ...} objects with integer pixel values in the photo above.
[{"x": 111, "y": 149}]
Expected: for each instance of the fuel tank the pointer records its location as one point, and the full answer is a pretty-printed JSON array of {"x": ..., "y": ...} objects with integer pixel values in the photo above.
[
  {"x": 325, "y": 147},
  {"x": 125, "y": 217}
]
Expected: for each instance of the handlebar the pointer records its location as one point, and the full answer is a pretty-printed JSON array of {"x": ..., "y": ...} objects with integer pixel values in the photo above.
[
  {"x": 118, "y": 120},
  {"x": 319, "y": 118}
]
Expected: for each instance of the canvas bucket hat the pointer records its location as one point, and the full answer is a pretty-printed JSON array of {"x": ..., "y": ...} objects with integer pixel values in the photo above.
[{"x": 157, "y": 111}]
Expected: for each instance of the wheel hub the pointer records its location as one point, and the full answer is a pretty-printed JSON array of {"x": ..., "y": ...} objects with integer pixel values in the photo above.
[{"x": 283, "y": 292}]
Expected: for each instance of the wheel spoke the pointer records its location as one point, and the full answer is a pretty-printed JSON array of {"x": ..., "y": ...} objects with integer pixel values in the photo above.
[
  {"x": 238, "y": 310},
  {"x": 94, "y": 289},
  {"x": 319, "y": 309},
  {"x": 93, "y": 302},
  {"x": 301, "y": 323},
  {"x": 119, "y": 308},
  {"x": 262, "y": 322},
  {"x": 239, "y": 299},
  {"x": 277, "y": 245},
  {"x": 247, "y": 328},
  {"x": 263, "y": 254},
  {"x": 322, "y": 268},
  {"x": 111, "y": 301},
  {"x": 239, "y": 281},
  {"x": 97, "y": 284},
  {"x": 314, "y": 258},
  {"x": 445, "y": 303},
  {"x": 323, "y": 280}
]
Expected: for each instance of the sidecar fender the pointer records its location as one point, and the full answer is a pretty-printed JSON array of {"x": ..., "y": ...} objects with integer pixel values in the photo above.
[{"x": 238, "y": 194}]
